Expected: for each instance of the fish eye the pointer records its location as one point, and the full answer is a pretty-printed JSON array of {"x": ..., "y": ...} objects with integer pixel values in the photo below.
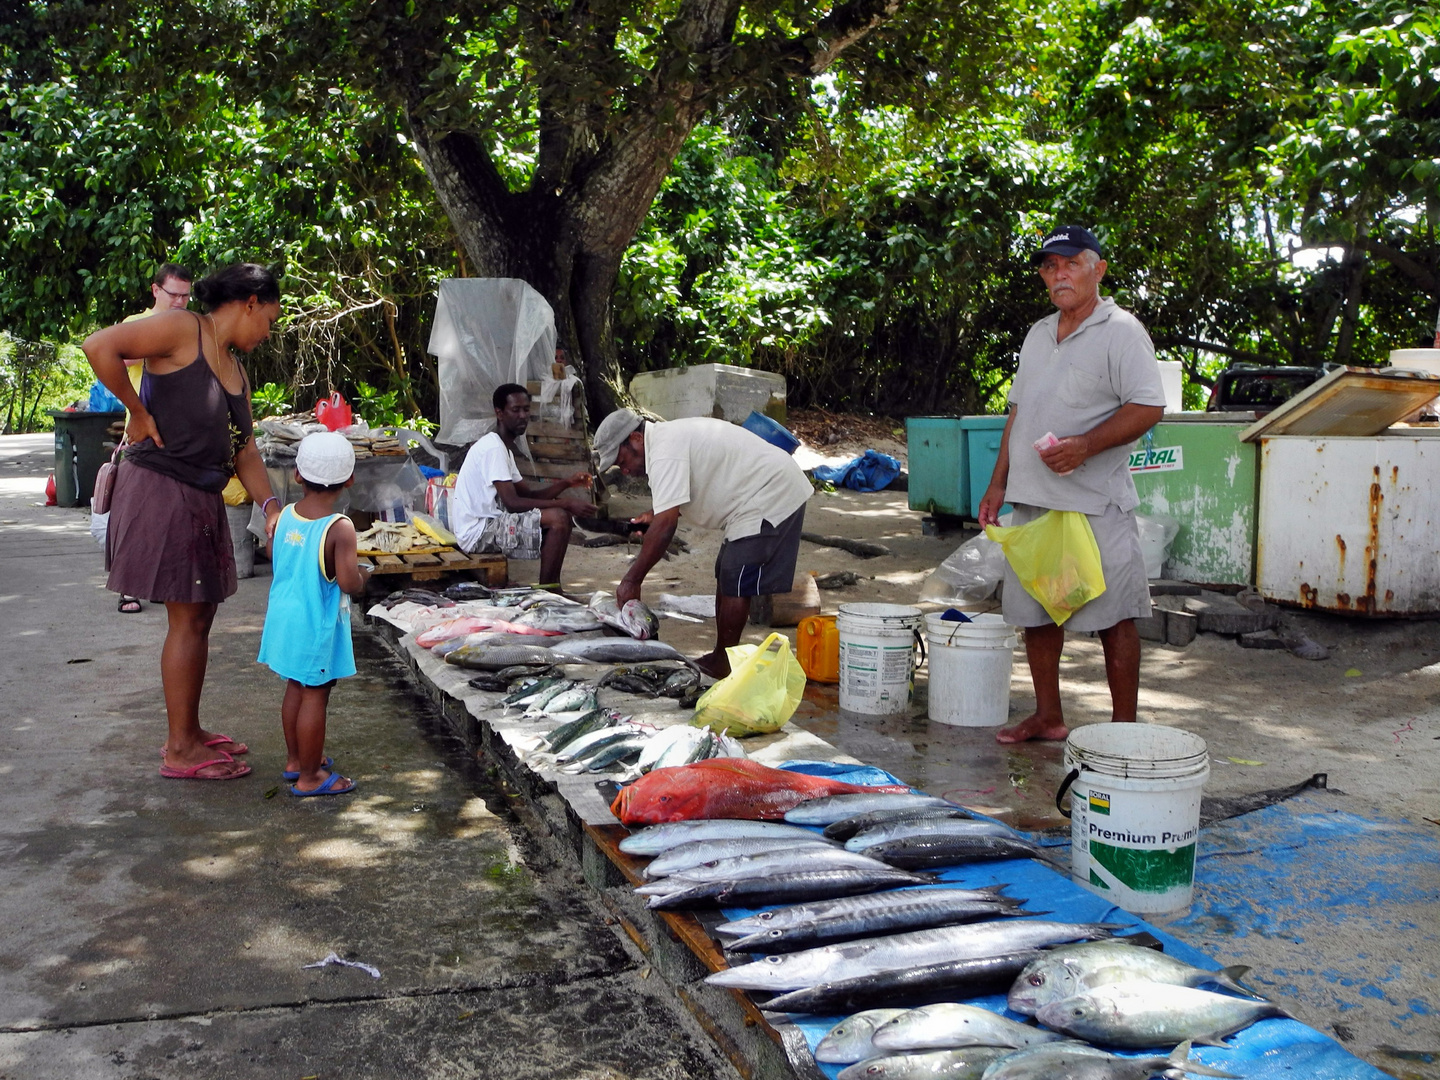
[
  {"x": 765, "y": 916},
  {"x": 777, "y": 932},
  {"x": 1037, "y": 979},
  {"x": 774, "y": 959}
]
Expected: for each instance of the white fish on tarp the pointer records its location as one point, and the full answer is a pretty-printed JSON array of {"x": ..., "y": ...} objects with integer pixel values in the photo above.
[
  {"x": 563, "y": 618},
  {"x": 849, "y": 1041},
  {"x": 1142, "y": 1015},
  {"x": 658, "y": 838},
  {"x": 1073, "y": 969},
  {"x": 967, "y": 1064},
  {"x": 696, "y": 852},
  {"x": 949, "y": 1025},
  {"x": 1077, "y": 1061}
]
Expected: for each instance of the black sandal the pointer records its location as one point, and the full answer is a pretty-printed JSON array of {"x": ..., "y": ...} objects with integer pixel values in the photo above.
[{"x": 129, "y": 605}]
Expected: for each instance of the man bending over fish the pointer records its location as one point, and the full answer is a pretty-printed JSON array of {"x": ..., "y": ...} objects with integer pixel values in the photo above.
[
  {"x": 723, "y": 477},
  {"x": 494, "y": 510}
]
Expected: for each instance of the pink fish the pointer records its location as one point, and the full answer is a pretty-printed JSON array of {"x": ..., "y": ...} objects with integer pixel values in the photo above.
[{"x": 724, "y": 788}]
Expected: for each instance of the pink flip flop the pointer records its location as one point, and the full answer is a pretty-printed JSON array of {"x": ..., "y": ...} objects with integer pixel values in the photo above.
[
  {"x": 220, "y": 740},
  {"x": 193, "y": 772}
]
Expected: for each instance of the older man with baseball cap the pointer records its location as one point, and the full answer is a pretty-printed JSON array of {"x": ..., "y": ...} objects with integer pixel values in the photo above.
[
  {"x": 1086, "y": 388},
  {"x": 723, "y": 477}
]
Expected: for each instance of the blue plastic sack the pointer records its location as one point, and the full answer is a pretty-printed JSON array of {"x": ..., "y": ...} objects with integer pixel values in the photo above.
[
  {"x": 871, "y": 471},
  {"x": 102, "y": 400}
]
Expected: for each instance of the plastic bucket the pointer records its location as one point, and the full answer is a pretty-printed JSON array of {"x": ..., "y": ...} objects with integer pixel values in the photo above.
[
  {"x": 970, "y": 670},
  {"x": 771, "y": 431},
  {"x": 241, "y": 540},
  {"x": 877, "y": 657},
  {"x": 1135, "y": 812}
]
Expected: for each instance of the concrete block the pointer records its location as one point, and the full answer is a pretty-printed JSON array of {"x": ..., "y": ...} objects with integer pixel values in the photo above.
[
  {"x": 1163, "y": 587},
  {"x": 1223, "y": 615},
  {"x": 1262, "y": 639},
  {"x": 1152, "y": 628},
  {"x": 1180, "y": 628}
]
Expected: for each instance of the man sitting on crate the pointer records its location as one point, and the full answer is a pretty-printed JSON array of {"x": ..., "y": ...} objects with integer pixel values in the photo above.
[
  {"x": 494, "y": 510},
  {"x": 724, "y": 477},
  {"x": 1088, "y": 375}
]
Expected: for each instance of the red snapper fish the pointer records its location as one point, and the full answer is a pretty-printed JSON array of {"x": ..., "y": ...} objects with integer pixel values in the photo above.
[
  {"x": 724, "y": 788},
  {"x": 473, "y": 624}
]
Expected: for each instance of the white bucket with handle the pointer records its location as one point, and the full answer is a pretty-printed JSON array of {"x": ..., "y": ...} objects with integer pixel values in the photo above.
[
  {"x": 970, "y": 664},
  {"x": 877, "y": 657},
  {"x": 1134, "y": 813}
]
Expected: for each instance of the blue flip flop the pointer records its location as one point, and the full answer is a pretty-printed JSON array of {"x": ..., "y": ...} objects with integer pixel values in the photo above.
[
  {"x": 286, "y": 774},
  {"x": 327, "y": 788}
]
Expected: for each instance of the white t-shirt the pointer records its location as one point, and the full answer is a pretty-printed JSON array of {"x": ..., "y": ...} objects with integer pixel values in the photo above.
[
  {"x": 475, "y": 501},
  {"x": 1069, "y": 387},
  {"x": 724, "y": 476}
]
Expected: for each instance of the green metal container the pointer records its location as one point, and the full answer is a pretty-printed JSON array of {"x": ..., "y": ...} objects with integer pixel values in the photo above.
[
  {"x": 1195, "y": 468},
  {"x": 935, "y": 452},
  {"x": 982, "y": 450}
]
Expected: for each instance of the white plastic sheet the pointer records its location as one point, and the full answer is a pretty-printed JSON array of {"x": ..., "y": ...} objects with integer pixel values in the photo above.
[{"x": 487, "y": 331}]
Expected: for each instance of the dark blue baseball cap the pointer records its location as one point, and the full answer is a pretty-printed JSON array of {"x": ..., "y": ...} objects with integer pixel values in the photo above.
[{"x": 1066, "y": 240}]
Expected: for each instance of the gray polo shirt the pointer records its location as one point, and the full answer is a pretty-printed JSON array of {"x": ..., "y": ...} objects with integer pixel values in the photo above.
[{"x": 1069, "y": 387}]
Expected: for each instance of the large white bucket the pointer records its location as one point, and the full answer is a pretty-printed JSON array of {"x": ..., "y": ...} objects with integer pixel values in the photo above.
[
  {"x": 970, "y": 670},
  {"x": 877, "y": 657},
  {"x": 1135, "y": 812}
]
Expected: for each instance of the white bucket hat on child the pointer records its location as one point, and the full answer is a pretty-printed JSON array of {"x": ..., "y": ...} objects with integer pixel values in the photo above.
[{"x": 325, "y": 457}]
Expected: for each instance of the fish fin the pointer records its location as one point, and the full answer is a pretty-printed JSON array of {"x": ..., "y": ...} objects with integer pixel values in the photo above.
[
  {"x": 1211, "y": 1040},
  {"x": 1229, "y": 978}
]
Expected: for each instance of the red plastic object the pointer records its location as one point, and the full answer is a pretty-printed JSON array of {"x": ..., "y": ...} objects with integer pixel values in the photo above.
[
  {"x": 334, "y": 412},
  {"x": 50, "y": 491}
]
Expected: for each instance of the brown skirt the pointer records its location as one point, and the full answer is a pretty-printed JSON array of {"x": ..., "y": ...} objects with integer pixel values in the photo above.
[{"x": 167, "y": 541}]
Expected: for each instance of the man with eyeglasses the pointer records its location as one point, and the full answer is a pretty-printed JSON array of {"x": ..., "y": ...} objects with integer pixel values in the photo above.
[
  {"x": 1087, "y": 386},
  {"x": 170, "y": 288}
]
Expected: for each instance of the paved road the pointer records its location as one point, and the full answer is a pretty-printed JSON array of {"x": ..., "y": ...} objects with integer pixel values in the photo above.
[{"x": 152, "y": 928}]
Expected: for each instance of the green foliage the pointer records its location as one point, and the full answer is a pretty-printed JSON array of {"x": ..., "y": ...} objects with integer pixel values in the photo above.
[
  {"x": 35, "y": 377},
  {"x": 270, "y": 399}
]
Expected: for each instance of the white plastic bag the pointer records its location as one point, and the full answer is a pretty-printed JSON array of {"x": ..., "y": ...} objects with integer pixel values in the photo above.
[
  {"x": 970, "y": 575},
  {"x": 99, "y": 526},
  {"x": 1157, "y": 533}
]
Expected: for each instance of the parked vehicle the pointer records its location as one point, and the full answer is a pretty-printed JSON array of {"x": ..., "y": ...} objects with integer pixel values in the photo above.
[{"x": 1258, "y": 388}]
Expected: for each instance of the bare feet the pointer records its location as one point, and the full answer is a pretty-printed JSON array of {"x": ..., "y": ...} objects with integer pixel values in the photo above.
[
  {"x": 1033, "y": 727},
  {"x": 716, "y": 665}
]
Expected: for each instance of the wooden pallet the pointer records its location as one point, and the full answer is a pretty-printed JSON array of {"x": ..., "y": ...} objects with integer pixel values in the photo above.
[{"x": 433, "y": 565}]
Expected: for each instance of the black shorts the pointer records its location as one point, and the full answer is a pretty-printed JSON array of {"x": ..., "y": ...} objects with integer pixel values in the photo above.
[{"x": 763, "y": 564}]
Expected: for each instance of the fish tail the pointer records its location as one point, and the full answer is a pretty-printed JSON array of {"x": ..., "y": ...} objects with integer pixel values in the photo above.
[
  {"x": 1229, "y": 978},
  {"x": 1180, "y": 1059}
]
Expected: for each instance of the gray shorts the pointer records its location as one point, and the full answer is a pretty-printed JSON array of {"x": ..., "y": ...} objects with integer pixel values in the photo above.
[
  {"x": 1127, "y": 590},
  {"x": 763, "y": 564},
  {"x": 516, "y": 536}
]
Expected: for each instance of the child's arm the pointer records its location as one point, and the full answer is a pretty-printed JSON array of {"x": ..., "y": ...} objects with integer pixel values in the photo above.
[{"x": 341, "y": 560}]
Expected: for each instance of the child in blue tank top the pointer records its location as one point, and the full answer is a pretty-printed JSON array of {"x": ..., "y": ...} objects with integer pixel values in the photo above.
[{"x": 306, "y": 640}]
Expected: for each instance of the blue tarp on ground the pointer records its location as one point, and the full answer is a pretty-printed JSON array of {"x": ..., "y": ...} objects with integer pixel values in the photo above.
[
  {"x": 1268, "y": 1050},
  {"x": 871, "y": 471}
]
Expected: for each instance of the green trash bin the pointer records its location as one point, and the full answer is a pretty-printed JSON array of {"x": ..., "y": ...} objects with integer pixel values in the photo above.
[
  {"x": 935, "y": 452},
  {"x": 982, "y": 450},
  {"x": 80, "y": 439}
]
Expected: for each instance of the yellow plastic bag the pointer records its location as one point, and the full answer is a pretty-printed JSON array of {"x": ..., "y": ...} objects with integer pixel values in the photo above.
[
  {"x": 1056, "y": 559},
  {"x": 235, "y": 493},
  {"x": 760, "y": 694}
]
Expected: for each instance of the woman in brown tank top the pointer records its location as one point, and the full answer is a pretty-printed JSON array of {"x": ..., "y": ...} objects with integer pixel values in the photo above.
[{"x": 190, "y": 429}]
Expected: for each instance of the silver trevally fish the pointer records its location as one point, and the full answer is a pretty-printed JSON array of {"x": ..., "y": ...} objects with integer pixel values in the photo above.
[
  {"x": 937, "y": 826},
  {"x": 564, "y": 618},
  {"x": 1077, "y": 968},
  {"x": 793, "y": 971},
  {"x": 967, "y": 1064},
  {"x": 658, "y": 838},
  {"x": 880, "y": 920},
  {"x": 950, "y": 1025},
  {"x": 1140, "y": 1015},
  {"x": 833, "y": 808},
  {"x": 1077, "y": 1061},
  {"x": 852, "y": 906},
  {"x": 696, "y": 852},
  {"x": 849, "y": 1040}
]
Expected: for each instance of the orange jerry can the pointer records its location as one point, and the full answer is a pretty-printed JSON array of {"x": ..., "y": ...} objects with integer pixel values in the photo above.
[{"x": 817, "y": 644}]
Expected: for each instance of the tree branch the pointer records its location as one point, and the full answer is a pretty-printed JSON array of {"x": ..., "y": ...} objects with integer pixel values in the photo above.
[
  {"x": 842, "y": 28},
  {"x": 1179, "y": 341}
]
